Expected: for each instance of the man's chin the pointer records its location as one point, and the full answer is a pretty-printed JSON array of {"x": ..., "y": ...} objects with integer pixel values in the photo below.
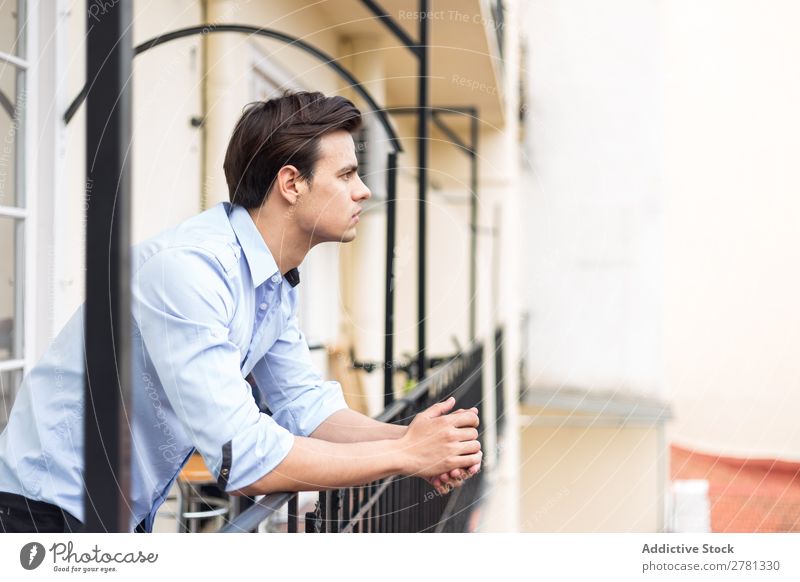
[{"x": 349, "y": 235}]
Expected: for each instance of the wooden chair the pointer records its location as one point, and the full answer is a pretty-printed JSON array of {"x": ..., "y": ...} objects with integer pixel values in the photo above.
[{"x": 191, "y": 480}]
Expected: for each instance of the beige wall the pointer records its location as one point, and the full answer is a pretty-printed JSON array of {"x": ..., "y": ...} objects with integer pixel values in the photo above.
[
  {"x": 588, "y": 478},
  {"x": 167, "y": 95},
  {"x": 69, "y": 206},
  {"x": 732, "y": 317},
  {"x": 166, "y": 148},
  {"x": 230, "y": 65}
]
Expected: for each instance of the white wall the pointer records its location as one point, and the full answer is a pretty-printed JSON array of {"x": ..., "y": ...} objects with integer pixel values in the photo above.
[
  {"x": 167, "y": 91},
  {"x": 732, "y": 141},
  {"x": 592, "y": 195},
  {"x": 662, "y": 215},
  {"x": 166, "y": 148}
]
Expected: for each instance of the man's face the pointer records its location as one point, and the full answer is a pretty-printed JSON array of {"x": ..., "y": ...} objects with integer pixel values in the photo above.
[{"x": 328, "y": 209}]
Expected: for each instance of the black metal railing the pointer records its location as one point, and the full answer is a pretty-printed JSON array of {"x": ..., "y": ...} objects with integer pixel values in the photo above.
[
  {"x": 522, "y": 371},
  {"x": 499, "y": 382},
  {"x": 398, "y": 503},
  {"x": 498, "y": 11}
]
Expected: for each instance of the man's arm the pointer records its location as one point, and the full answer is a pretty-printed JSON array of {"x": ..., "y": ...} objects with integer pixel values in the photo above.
[
  {"x": 309, "y": 407},
  {"x": 349, "y": 426},
  {"x": 315, "y": 465},
  {"x": 434, "y": 443},
  {"x": 183, "y": 304}
]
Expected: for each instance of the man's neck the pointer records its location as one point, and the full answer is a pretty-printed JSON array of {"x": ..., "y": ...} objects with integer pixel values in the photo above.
[{"x": 287, "y": 245}]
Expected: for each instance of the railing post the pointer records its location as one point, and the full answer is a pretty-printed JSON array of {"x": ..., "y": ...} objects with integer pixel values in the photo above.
[
  {"x": 499, "y": 381},
  {"x": 473, "y": 223},
  {"x": 422, "y": 183},
  {"x": 391, "y": 215},
  {"x": 332, "y": 512},
  {"x": 291, "y": 524},
  {"x": 109, "y": 55}
]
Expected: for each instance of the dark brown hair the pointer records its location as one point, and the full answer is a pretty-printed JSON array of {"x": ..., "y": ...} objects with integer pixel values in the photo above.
[{"x": 281, "y": 131}]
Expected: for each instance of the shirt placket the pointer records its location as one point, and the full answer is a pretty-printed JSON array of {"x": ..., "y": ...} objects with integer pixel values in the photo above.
[{"x": 266, "y": 307}]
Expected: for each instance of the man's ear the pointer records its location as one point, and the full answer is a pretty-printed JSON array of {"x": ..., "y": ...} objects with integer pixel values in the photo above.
[{"x": 288, "y": 184}]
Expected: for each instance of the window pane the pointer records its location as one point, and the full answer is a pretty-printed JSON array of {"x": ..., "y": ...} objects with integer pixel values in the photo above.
[
  {"x": 12, "y": 103},
  {"x": 11, "y": 41},
  {"x": 10, "y": 288},
  {"x": 9, "y": 385}
]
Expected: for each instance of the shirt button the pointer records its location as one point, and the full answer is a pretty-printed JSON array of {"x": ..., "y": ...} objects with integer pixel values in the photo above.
[
  {"x": 263, "y": 306},
  {"x": 276, "y": 279}
]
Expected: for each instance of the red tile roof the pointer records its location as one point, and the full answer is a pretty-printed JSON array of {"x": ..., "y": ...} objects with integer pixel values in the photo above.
[{"x": 746, "y": 495}]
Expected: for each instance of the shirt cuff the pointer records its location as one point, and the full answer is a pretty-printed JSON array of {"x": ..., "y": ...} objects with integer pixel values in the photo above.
[
  {"x": 253, "y": 453},
  {"x": 304, "y": 415}
]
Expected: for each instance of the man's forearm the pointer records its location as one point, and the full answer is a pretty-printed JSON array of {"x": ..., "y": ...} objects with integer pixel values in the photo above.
[
  {"x": 349, "y": 426},
  {"x": 433, "y": 444},
  {"x": 314, "y": 464}
]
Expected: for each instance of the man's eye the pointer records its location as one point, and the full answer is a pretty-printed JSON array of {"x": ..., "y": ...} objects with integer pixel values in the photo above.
[{"x": 348, "y": 175}]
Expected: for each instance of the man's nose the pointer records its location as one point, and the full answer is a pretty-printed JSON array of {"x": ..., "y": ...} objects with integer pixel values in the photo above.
[{"x": 364, "y": 193}]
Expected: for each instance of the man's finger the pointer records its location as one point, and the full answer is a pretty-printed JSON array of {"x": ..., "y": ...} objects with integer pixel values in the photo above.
[
  {"x": 467, "y": 434},
  {"x": 441, "y": 408},
  {"x": 458, "y": 474},
  {"x": 464, "y": 419}
]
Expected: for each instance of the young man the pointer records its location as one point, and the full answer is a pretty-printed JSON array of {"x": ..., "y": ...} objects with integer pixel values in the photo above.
[{"x": 214, "y": 301}]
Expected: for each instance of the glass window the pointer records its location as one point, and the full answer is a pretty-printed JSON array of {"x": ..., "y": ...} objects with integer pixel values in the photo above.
[
  {"x": 12, "y": 21},
  {"x": 12, "y": 105},
  {"x": 10, "y": 288},
  {"x": 9, "y": 381},
  {"x": 12, "y": 201}
]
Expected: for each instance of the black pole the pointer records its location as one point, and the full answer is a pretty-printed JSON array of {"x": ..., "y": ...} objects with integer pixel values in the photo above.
[
  {"x": 471, "y": 150},
  {"x": 473, "y": 256},
  {"x": 388, "y": 345},
  {"x": 389, "y": 22},
  {"x": 107, "y": 309},
  {"x": 422, "y": 177}
]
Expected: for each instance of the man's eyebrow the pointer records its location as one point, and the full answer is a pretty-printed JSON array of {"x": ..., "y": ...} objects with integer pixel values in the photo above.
[{"x": 349, "y": 168}]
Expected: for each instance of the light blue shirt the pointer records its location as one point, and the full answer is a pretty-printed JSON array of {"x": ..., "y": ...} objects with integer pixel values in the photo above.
[{"x": 209, "y": 307}]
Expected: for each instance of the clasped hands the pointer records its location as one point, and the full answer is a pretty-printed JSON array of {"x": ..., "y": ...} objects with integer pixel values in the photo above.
[{"x": 446, "y": 482}]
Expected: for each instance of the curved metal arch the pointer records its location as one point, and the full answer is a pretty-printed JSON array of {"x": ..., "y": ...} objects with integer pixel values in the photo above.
[
  {"x": 7, "y": 105},
  {"x": 269, "y": 33}
]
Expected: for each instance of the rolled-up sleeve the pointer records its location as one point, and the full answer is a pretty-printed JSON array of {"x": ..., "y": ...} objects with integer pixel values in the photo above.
[
  {"x": 183, "y": 305},
  {"x": 298, "y": 397}
]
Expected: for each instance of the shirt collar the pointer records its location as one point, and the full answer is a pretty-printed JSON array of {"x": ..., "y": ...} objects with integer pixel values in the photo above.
[{"x": 259, "y": 258}]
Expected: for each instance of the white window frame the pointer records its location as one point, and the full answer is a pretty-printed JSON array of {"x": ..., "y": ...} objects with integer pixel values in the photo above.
[
  {"x": 262, "y": 65},
  {"x": 25, "y": 301}
]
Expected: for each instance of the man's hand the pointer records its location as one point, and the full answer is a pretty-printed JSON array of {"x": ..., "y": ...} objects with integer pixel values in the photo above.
[
  {"x": 437, "y": 442},
  {"x": 446, "y": 482}
]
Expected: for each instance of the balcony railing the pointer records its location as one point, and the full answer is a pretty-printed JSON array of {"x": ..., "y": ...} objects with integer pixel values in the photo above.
[
  {"x": 499, "y": 381},
  {"x": 394, "y": 504}
]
